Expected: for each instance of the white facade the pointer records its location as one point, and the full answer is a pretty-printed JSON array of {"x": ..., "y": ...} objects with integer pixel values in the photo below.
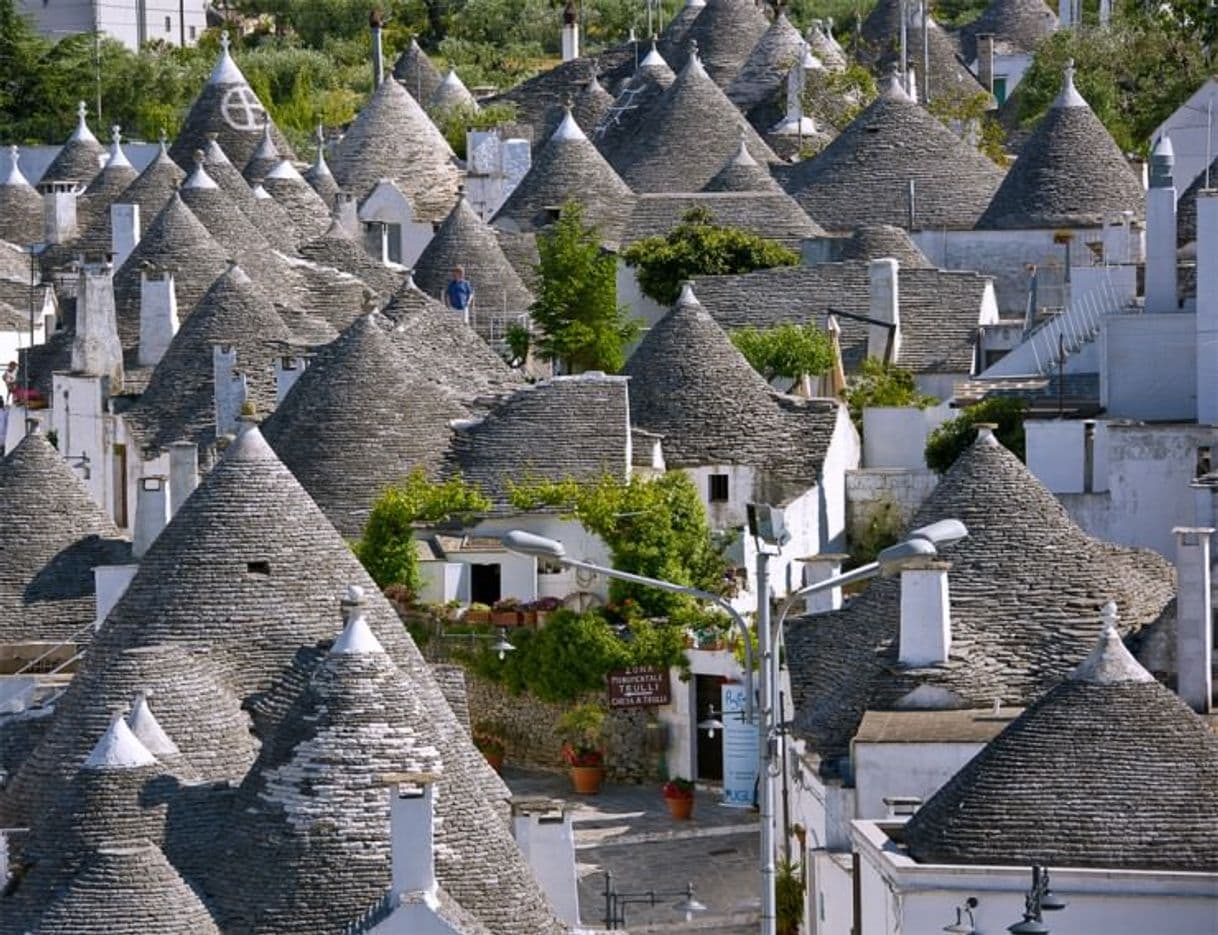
[
  {"x": 1193, "y": 128},
  {"x": 391, "y": 233},
  {"x": 132, "y": 24},
  {"x": 895, "y": 436}
]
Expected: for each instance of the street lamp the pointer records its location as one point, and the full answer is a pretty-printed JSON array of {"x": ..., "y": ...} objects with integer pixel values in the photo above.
[
  {"x": 1040, "y": 898},
  {"x": 616, "y": 902},
  {"x": 501, "y": 646}
]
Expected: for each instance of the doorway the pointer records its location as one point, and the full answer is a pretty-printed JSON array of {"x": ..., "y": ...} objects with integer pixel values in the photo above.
[
  {"x": 708, "y": 695},
  {"x": 484, "y": 584}
]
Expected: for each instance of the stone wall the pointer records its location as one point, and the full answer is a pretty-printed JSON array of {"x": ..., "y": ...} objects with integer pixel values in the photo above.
[
  {"x": 884, "y": 495},
  {"x": 529, "y": 727}
]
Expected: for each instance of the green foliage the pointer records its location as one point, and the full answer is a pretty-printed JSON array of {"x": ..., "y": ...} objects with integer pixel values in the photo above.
[
  {"x": 583, "y": 725},
  {"x": 789, "y": 897},
  {"x": 656, "y": 528},
  {"x": 455, "y": 122},
  {"x": 576, "y": 308},
  {"x": 952, "y": 14},
  {"x": 971, "y": 116},
  {"x": 880, "y": 384},
  {"x": 387, "y": 549},
  {"x": 787, "y": 350},
  {"x": 700, "y": 247},
  {"x": 518, "y": 339},
  {"x": 838, "y": 97},
  {"x": 882, "y": 530},
  {"x": 948, "y": 441}
]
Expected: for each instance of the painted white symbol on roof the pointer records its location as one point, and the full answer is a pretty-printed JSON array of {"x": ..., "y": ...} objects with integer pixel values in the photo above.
[{"x": 242, "y": 110}]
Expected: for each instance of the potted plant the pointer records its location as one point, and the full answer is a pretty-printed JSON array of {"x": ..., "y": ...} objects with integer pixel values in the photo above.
[
  {"x": 789, "y": 896},
  {"x": 679, "y": 797},
  {"x": 477, "y": 614},
  {"x": 506, "y": 613},
  {"x": 490, "y": 743},
  {"x": 581, "y": 749},
  {"x": 543, "y": 607}
]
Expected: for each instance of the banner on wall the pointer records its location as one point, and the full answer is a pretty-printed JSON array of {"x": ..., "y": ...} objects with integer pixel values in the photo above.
[{"x": 739, "y": 749}]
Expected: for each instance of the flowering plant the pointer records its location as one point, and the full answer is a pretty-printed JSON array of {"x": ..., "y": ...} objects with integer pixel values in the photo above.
[
  {"x": 579, "y": 754},
  {"x": 489, "y": 744},
  {"x": 679, "y": 788}
]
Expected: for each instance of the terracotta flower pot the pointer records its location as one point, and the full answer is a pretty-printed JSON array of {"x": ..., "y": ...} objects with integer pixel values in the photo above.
[
  {"x": 681, "y": 809},
  {"x": 587, "y": 779},
  {"x": 505, "y": 618}
]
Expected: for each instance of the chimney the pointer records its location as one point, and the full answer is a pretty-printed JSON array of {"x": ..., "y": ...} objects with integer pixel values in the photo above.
[
  {"x": 882, "y": 341},
  {"x": 544, "y": 833},
  {"x": 158, "y": 314},
  {"x": 287, "y": 371},
  {"x": 1207, "y": 307},
  {"x": 109, "y": 584},
  {"x": 570, "y": 31},
  {"x": 347, "y": 211},
  {"x": 1161, "y": 231},
  {"x": 1194, "y": 618},
  {"x": 819, "y": 568},
  {"x": 59, "y": 211},
  {"x": 378, "y": 55},
  {"x": 230, "y": 388},
  {"x": 926, "y": 614},
  {"x": 151, "y": 512},
  {"x": 411, "y": 822},
  {"x": 183, "y": 473},
  {"x": 96, "y": 350},
  {"x": 124, "y": 231},
  {"x": 1065, "y": 13},
  {"x": 985, "y": 60}
]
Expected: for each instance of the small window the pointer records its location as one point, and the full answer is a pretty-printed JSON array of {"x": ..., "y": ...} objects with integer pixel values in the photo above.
[
  {"x": 258, "y": 568},
  {"x": 1205, "y": 460},
  {"x": 1000, "y": 89},
  {"x": 193, "y": 33},
  {"x": 718, "y": 488},
  {"x": 168, "y": 24}
]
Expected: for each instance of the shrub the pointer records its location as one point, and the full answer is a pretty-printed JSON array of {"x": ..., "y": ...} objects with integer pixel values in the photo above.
[
  {"x": 881, "y": 384},
  {"x": 787, "y": 350},
  {"x": 948, "y": 441}
]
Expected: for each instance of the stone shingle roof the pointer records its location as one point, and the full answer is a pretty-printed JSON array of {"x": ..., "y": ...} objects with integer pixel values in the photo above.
[
  {"x": 820, "y": 40},
  {"x": 416, "y": 72},
  {"x": 1109, "y": 770},
  {"x": 1022, "y": 585},
  {"x": 671, "y": 43},
  {"x": 337, "y": 248},
  {"x": 1018, "y": 24},
  {"x": 863, "y": 176},
  {"x": 308, "y": 213},
  {"x": 726, "y": 32},
  {"x": 179, "y": 402},
  {"x": 93, "y": 205},
  {"x": 565, "y": 427},
  {"x": 631, "y": 107},
  {"x": 949, "y": 77},
  {"x": 227, "y": 108},
  {"x": 939, "y": 309},
  {"x": 689, "y": 132},
  {"x": 568, "y": 167},
  {"x": 273, "y": 224},
  {"x": 392, "y": 138},
  {"x": 320, "y": 177},
  {"x": 264, "y": 159},
  {"x": 21, "y": 212},
  {"x": 742, "y": 173},
  {"x": 450, "y": 94},
  {"x": 327, "y": 301},
  {"x": 52, "y": 535},
  {"x": 876, "y": 241},
  {"x": 764, "y": 74},
  {"x": 689, "y": 384},
  {"x": 775, "y": 215},
  {"x": 465, "y": 240},
  {"x": 79, "y": 159},
  {"x": 363, "y": 416},
  {"x": 1070, "y": 173}
]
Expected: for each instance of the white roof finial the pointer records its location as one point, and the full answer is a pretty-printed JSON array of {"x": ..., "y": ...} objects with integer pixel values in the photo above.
[
  {"x": 357, "y": 637},
  {"x": 568, "y": 129},
  {"x": 119, "y": 748},
  {"x": 14, "y": 175},
  {"x": 224, "y": 42},
  {"x": 148, "y": 730},
  {"x": 687, "y": 296},
  {"x": 1069, "y": 96},
  {"x": 199, "y": 177},
  {"x": 82, "y": 131},
  {"x": 118, "y": 158},
  {"x": 1110, "y": 661},
  {"x": 1108, "y": 614},
  {"x": 226, "y": 70},
  {"x": 653, "y": 57}
]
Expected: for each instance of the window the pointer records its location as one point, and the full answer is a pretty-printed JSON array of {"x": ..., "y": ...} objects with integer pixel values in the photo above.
[
  {"x": 1205, "y": 461},
  {"x": 258, "y": 568},
  {"x": 168, "y": 24},
  {"x": 718, "y": 488},
  {"x": 193, "y": 33},
  {"x": 1000, "y": 89}
]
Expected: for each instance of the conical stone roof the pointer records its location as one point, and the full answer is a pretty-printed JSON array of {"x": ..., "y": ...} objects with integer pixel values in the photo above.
[
  {"x": 631, "y": 108},
  {"x": 1109, "y": 769},
  {"x": 877, "y": 241},
  {"x": 450, "y": 94},
  {"x": 568, "y": 167},
  {"x": 93, "y": 206},
  {"x": 308, "y": 213},
  {"x": 820, "y": 40},
  {"x": 361, "y": 417},
  {"x": 1019, "y": 584},
  {"x": 337, "y": 248},
  {"x": 227, "y": 107},
  {"x": 250, "y": 568},
  {"x": 1016, "y": 25},
  {"x": 52, "y": 535},
  {"x": 319, "y": 176},
  {"x": 742, "y": 173},
  {"x": 725, "y": 33},
  {"x": 1186, "y": 205},
  {"x": 416, "y": 73},
  {"x": 179, "y": 402},
  {"x": 863, "y": 176},
  {"x": 151, "y": 190},
  {"x": 465, "y": 240},
  {"x": 690, "y": 131},
  {"x": 80, "y": 158},
  {"x": 672, "y": 43},
  {"x": 21, "y": 211},
  {"x": 950, "y": 78},
  {"x": 264, "y": 159},
  {"x": 393, "y": 138},
  {"x": 1070, "y": 173},
  {"x": 764, "y": 74},
  {"x": 590, "y": 105},
  {"x": 176, "y": 240},
  {"x": 274, "y": 225}
]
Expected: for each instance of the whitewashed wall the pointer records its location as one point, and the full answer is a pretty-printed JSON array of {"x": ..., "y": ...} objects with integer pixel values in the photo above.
[{"x": 1150, "y": 368}]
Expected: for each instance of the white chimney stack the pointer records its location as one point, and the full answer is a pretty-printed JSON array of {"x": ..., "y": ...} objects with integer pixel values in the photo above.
[
  {"x": 151, "y": 512},
  {"x": 926, "y": 615},
  {"x": 124, "y": 232},
  {"x": 183, "y": 473},
  {"x": 59, "y": 211},
  {"x": 1194, "y": 618},
  {"x": 346, "y": 210},
  {"x": 570, "y": 31},
  {"x": 96, "y": 349},
  {"x": 819, "y": 568},
  {"x": 158, "y": 314},
  {"x": 230, "y": 388},
  {"x": 1207, "y": 308},
  {"x": 545, "y": 835},
  {"x": 883, "y": 277},
  {"x": 412, "y": 852},
  {"x": 1161, "y": 231},
  {"x": 378, "y": 55},
  {"x": 287, "y": 371}
]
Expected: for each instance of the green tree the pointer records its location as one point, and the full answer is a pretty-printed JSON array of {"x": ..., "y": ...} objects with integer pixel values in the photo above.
[
  {"x": 457, "y": 121},
  {"x": 576, "y": 307},
  {"x": 656, "y": 528},
  {"x": 948, "y": 441},
  {"x": 787, "y": 350},
  {"x": 881, "y": 384},
  {"x": 700, "y": 247},
  {"x": 387, "y": 549}
]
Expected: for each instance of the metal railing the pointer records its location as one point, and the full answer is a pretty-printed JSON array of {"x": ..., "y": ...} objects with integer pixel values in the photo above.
[{"x": 1067, "y": 332}]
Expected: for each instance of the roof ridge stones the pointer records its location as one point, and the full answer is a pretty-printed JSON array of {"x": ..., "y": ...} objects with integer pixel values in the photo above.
[
  {"x": 80, "y": 158},
  {"x": 724, "y": 33},
  {"x": 1070, "y": 173},
  {"x": 265, "y": 157},
  {"x": 1109, "y": 769},
  {"x": 319, "y": 175},
  {"x": 393, "y": 138},
  {"x": 339, "y": 249},
  {"x": 764, "y": 73},
  {"x": 742, "y": 173}
]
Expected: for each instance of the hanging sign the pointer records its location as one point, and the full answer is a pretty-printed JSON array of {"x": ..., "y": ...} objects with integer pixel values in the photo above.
[
  {"x": 739, "y": 749},
  {"x": 639, "y": 686}
]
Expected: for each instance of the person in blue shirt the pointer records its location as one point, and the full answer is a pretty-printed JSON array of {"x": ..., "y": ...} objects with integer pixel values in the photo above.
[{"x": 460, "y": 292}]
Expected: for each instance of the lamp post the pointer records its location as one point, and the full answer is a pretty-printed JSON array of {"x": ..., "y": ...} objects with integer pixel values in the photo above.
[{"x": 616, "y": 902}]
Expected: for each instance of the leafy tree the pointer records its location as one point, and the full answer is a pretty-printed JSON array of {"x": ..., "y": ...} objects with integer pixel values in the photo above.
[
  {"x": 948, "y": 441},
  {"x": 838, "y": 97},
  {"x": 881, "y": 384},
  {"x": 576, "y": 307},
  {"x": 387, "y": 549},
  {"x": 787, "y": 350},
  {"x": 700, "y": 247},
  {"x": 656, "y": 528},
  {"x": 457, "y": 121}
]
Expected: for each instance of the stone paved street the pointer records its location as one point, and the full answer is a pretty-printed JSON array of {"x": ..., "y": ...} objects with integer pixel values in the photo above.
[{"x": 627, "y": 831}]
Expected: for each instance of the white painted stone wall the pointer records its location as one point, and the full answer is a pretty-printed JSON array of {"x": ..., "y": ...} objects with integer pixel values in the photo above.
[
  {"x": 161, "y": 21},
  {"x": 895, "y": 436},
  {"x": 630, "y": 294},
  {"x": 888, "y": 770},
  {"x": 1149, "y": 370},
  {"x": 521, "y": 582},
  {"x": 386, "y": 204},
  {"x": 875, "y": 492}
]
